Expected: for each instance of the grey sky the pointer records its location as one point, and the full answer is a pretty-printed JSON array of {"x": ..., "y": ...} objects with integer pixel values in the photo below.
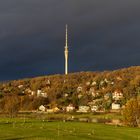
[{"x": 103, "y": 35}]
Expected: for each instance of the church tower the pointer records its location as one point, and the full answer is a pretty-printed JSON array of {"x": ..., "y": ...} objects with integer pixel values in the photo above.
[{"x": 66, "y": 51}]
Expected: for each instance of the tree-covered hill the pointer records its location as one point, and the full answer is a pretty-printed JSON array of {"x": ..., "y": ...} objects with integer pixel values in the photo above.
[{"x": 81, "y": 88}]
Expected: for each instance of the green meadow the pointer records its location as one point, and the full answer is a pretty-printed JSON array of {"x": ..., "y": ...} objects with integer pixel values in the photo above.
[{"x": 34, "y": 129}]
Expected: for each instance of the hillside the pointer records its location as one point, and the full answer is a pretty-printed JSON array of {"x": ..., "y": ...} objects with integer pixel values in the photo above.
[{"x": 82, "y": 88}]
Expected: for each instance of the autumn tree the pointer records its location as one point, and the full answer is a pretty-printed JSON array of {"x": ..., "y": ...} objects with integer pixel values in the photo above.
[
  {"x": 131, "y": 112},
  {"x": 2, "y": 103},
  {"x": 12, "y": 105}
]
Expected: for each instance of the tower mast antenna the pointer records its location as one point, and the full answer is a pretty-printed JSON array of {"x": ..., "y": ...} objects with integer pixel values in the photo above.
[{"x": 66, "y": 51}]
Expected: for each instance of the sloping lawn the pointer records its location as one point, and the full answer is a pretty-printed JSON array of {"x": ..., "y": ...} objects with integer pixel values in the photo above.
[{"x": 43, "y": 130}]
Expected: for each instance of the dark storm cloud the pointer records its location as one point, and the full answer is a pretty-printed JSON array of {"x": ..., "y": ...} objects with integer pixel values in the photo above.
[{"x": 103, "y": 34}]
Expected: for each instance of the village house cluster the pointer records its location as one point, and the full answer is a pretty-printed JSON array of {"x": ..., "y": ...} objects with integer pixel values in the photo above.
[{"x": 97, "y": 98}]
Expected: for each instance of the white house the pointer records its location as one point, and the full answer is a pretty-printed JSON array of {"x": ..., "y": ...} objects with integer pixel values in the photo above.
[
  {"x": 112, "y": 83},
  {"x": 79, "y": 89},
  {"x": 42, "y": 108},
  {"x": 48, "y": 84},
  {"x": 116, "y": 106},
  {"x": 83, "y": 109},
  {"x": 52, "y": 110},
  {"x": 106, "y": 80},
  {"x": 80, "y": 96},
  {"x": 49, "y": 111},
  {"x": 56, "y": 109},
  {"x": 87, "y": 83},
  {"x": 117, "y": 95},
  {"x": 92, "y": 91},
  {"x": 94, "y": 108},
  {"x": 20, "y": 86},
  {"x": 102, "y": 82},
  {"x": 32, "y": 93},
  {"x": 66, "y": 95},
  {"x": 41, "y": 94},
  {"x": 70, "y": 108},
  {"x": 119, "y": 78},
  {"x": 94, "y": 83}
]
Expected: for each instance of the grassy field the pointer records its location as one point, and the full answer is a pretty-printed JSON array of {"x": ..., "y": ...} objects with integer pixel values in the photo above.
[{"x": 33, "y": 129}]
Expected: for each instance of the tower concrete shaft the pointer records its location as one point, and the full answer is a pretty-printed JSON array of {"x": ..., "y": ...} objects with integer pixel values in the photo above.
[{"x": 66, "y": 52}]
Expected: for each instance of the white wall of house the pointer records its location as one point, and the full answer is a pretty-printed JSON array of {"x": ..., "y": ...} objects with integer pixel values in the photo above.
[
  {"x": 70, "y": 108},
  {"x": 42, "y": 94},
  {"x": 42, "y": 108},
  {"x": 83, "y": 109},
  {"x": 116, "y": 106}
]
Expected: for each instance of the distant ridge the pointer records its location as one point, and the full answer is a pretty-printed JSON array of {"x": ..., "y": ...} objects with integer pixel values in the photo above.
[{"x": 131, "y": 68}]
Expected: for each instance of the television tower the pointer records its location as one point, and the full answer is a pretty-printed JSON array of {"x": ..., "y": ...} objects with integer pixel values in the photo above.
[{"x": 66, "y": 52}]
